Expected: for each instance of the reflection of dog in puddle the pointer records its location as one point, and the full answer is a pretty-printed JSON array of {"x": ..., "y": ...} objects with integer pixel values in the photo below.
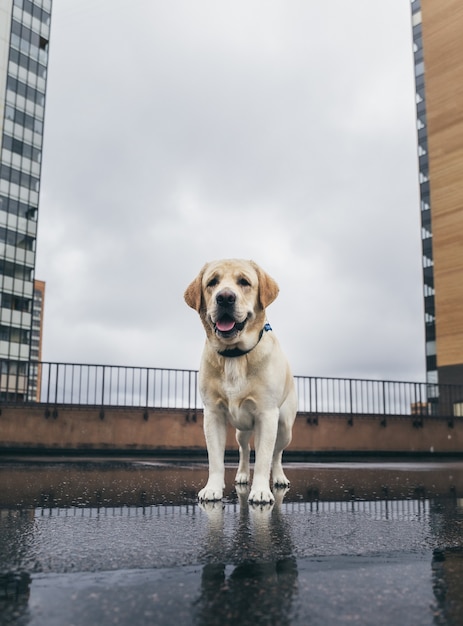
[{"x": 259, "y": 554}]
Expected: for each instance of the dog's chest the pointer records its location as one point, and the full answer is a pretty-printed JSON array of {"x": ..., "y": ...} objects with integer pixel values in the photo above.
[
  {"x": 236, "y": 398},
  {"x": 235, "y": 379}
]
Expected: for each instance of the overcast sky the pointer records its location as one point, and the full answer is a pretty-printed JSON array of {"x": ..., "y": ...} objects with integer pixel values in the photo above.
[{"x": 182, "y": 131}]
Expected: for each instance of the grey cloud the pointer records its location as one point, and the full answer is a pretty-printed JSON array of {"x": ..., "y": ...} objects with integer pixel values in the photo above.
[{"x": 182, "y": 132}]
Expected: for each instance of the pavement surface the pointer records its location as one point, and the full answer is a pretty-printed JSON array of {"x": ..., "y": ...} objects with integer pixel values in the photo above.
[{"x": 125, "y": 542}]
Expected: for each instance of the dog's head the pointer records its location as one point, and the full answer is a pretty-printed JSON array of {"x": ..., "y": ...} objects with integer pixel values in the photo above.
[{"x": 230, "y": 297}]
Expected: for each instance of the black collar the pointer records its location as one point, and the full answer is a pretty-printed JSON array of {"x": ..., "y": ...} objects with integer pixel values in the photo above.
[{"x": 234, "y": 352}]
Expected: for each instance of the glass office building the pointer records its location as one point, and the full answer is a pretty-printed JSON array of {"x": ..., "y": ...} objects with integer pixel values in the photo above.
[
  {"x": 438, "y": 54},
  {"x": 24, "y": 37}
]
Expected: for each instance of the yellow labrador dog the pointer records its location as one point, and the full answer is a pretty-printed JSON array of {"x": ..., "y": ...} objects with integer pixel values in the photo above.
[{"x": 244, "y": 376}]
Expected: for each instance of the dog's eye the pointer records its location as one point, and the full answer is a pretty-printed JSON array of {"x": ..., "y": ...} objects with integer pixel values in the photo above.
[
  {"x": 213, "y": 282},
  {"x": 244, "y": 282}
]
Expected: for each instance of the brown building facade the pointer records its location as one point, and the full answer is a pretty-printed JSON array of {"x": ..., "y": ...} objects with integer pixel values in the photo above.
[
  {"x": 438, "y": 53},
  {"x": 35, "y": 367}
]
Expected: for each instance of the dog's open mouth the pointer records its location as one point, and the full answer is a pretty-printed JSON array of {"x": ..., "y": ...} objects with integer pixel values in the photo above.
[{"x": 226, "y": 326}]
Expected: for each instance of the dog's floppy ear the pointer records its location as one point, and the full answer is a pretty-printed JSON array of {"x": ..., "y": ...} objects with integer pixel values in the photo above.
[
  {"x": 268, "y": 288},
  {"x": 194, "y": 291}
]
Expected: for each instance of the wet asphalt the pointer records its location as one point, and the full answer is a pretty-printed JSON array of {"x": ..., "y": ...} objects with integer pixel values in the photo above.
[{"x": 125, "y": 542}]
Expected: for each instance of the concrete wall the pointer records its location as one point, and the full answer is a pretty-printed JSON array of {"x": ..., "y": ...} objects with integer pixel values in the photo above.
[{"x": 62, "y": 428}]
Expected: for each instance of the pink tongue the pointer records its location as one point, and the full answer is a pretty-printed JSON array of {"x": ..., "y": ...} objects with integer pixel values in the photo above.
[{"x": 225, "y": 325}]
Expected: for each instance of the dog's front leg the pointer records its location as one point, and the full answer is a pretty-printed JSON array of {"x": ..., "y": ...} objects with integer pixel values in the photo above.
[
  {"x": 265, "y": 435},
  {"x": 215, "y": 431},
  {"x": 242, "y": 475}
]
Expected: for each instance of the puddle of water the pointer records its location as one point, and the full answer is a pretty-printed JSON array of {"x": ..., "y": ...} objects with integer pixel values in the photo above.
[{"x": 107, "y": 542}]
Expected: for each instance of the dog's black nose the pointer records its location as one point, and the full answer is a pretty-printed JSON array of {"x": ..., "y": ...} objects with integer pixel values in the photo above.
[{"x": 226, "y": 297}]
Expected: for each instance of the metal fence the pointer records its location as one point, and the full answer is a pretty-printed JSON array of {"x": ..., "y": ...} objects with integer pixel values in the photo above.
[
  {"x": 123, "y": 386},
  {"x": 107, "y": 385},
  {"x": 395, "y": 509},
  {"x": 377, "y": 397}
]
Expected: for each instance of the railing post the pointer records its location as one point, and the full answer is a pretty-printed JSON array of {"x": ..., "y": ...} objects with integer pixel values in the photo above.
[
  {"x": 351, "y": 408},
  {"x": 196, "y": 390},
  {"x": 147, "y": 388},
  {"x": 56, "y": 383},
  {"x": 384, "y": 397},
  {"x": 28, "y": 381},
  {"x": 48, "y": 383},
  {"x": 145, "y": 413},
  {"x": 102, "y": 385}
]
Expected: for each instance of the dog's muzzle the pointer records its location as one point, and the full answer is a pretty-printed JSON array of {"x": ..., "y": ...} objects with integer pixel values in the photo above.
[{"x": 226, "y": 325}]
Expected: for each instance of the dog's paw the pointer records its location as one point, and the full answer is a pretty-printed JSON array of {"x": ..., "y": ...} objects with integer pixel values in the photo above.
[
  {"x": 213, "y": 508},
  {"x": 261, "y": 510},
  {"x": 242, "y": 491},
  {"x": 209, "y": 494},
  {"x": 280, "y": 481},
  {"x": 241, "y": 478},
  {"x": 261, "y": 496},
  {"x": 279, "y": 493}
]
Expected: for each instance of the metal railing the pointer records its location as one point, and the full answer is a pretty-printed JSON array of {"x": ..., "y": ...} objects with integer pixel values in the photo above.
[
  {"x": 410, "y": 509},
  {"x": 377, "y": 397},
  {"x": 109, "y": 385},
  {"x": 125, "y": 386}
]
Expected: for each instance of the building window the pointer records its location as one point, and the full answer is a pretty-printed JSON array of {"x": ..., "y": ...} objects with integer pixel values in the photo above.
[
  {"x": 416, "y": 18},
  {"x": 15, "y": 335},
  {"x": 25, "y": 90},
  {"x": 19, "y": 178},
  {"x": 13, "y": 238},
  {"x": 15, "y": 303},
  {"x": 430, "y": 348},
  {"x": 23, "y": 119},
  {"x": 14, "y": 270},
  {"x": 13, "y": 367},
  {"x": 27, "y": 63},
  {"x": 20, "y": 147},
  {"x": 33, "y": 9},
  {"x": 16, "y": 207}
]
